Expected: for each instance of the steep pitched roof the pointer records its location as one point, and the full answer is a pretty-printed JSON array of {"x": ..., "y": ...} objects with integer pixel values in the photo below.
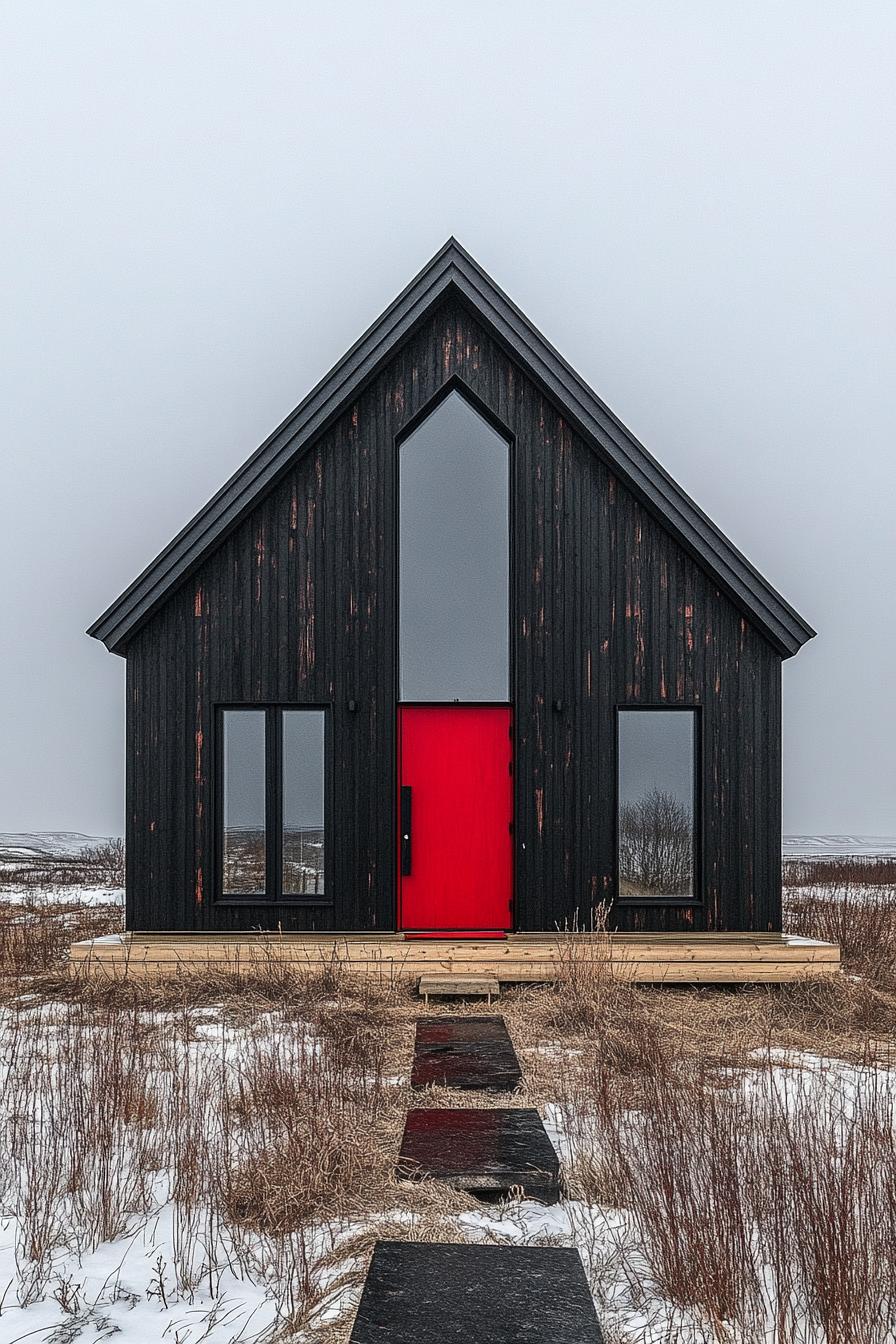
[{"x": 452, "y": 269}]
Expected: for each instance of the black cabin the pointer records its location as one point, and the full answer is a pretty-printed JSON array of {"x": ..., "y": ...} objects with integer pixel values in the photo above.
[{"x": 452, "y": 653}]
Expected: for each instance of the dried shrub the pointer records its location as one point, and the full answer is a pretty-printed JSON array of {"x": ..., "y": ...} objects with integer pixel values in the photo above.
[
  {"x": 861, "y": 919},
  {"x": 109, "y": 1110},
  {"x": 590, "y": 997},
  {"x": 854, "y": 870},
  {"x": 36, "y": 933},
  {"x": 763, "y": 1202},
  {"x": 309, "y": 1106}
]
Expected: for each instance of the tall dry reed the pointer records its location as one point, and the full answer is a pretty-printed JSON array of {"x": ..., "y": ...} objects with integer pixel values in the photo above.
[{"x": 254, "y": 1137}]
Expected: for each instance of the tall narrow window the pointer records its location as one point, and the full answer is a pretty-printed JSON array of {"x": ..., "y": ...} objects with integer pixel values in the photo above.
[
  {"x": 303, "y": 802},
  {"x": 244, "y": 839},
  {"x": 656, "y": 791},
  {"x": 454, "y": 539}
]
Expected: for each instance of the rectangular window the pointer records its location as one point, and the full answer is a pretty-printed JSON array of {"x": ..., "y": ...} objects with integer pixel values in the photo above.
[
  {"x": 245, "y": 830},
  {"x": 656, "y": 792},
  {"x": 303, "y": 802},
  {"x": 271, "y": 793}
]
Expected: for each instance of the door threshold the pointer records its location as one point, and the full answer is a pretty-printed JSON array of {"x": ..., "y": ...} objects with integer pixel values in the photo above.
[{"x": 453, "y": 934}]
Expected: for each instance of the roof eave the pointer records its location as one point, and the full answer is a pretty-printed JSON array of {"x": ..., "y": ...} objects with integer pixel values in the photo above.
[{"x": 323, "y": 403}]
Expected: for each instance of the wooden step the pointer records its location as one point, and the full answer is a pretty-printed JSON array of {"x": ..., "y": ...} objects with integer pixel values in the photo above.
[{"x": 458, "y": 986}]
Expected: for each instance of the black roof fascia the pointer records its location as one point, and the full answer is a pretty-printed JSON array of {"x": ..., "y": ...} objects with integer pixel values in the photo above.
[{"x": 452, "y": 268}]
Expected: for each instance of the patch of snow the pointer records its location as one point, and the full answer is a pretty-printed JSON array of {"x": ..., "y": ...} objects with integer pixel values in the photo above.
[
  {"x": 117, "y": 1293},
  {"x": 63, "y": 895},
  {"x": 128, "y": 1288},
  {"x": 610, "y": 1241}
]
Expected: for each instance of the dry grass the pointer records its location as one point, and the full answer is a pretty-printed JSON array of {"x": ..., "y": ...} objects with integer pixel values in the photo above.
[
  {"x": 36, "y": 926},
  {"x": 850, "y": 901},
  {"x": 37, "y": 932},
  {"x": 861, "y": 920},
  {"x": 758, "y": 1191},
  {"x": 762, "y": 1204},
  {"x": 272, "y": 1132},
  {"x": 262, "y": 1107},
  {"x": 855, "y": 870},
  {"x": 268, "y": 1104}
]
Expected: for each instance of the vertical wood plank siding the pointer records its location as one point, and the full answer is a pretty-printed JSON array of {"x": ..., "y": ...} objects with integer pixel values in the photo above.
[{"x": 298, "y": 605}]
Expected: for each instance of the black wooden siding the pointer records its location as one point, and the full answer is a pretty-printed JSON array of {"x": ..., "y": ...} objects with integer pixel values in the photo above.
[{"x": 298, "y": 605}]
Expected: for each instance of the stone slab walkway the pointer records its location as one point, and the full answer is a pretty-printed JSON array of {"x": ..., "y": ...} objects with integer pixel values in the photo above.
[
  {"x": 447, "y": 1294},
  {"x": 464, "y": 1052},
  {"x": 488, "y": 1152}
]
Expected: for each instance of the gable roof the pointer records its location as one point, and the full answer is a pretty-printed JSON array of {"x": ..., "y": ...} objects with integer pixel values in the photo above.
[{"x": 453, "y": 270}]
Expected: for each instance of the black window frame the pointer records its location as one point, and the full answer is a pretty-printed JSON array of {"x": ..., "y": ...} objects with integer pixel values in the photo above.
[
  {"x": 696, "y": 711},
  {"x": 273, "y": 782}
]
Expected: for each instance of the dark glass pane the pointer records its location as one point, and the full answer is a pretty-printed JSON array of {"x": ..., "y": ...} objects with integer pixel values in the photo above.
[
  {"x": 656, "y": 803},
  {"x": 454, "y": 558},
  {"x": 244, "y": 819},
  {"x": 303, "y": 802}
]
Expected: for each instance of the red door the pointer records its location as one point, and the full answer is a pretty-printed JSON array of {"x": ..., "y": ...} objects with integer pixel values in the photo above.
[{"x": 455, "y": 815}]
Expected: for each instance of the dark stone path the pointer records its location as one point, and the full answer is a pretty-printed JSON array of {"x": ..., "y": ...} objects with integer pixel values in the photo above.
[
  {"x": 474, "y": 1053},
  {"x": 487, "y": 1152},
  {"x": 446, "y": 1294}
]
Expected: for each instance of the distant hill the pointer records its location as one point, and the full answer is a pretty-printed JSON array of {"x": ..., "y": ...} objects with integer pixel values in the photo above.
[
  {"x": 817, "y": 846},
  {"x": 59, "y": 844}
]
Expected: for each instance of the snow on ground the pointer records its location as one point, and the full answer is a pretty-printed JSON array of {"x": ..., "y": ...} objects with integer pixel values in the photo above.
[
  {"x": 128, "y": 1289},
  {"x": 855, "y": 894},
  {"x": 61, "y": 896},
  {"x": 174, "y": 1276},
  {"x": 611, "y": 1244},
  {"x": 120, "y": 1290}
]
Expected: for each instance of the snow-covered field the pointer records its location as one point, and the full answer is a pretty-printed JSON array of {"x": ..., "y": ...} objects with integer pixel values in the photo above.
[
  {"x": 62, "y": 895},
  {"x": 117, "y": 1216},
  {"x": 59, "y": 867},
  {"x": 129, "y": 1140},
  {"x": 119, "y": 1248}
]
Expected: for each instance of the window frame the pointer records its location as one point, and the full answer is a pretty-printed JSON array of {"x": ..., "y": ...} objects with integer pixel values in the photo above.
[
  {"x": 273, "y": 783},
  {"x": 648, "y": 707}
]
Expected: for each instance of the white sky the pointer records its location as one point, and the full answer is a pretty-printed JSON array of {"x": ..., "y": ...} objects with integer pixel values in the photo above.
[{"x": 205, "y": 204}]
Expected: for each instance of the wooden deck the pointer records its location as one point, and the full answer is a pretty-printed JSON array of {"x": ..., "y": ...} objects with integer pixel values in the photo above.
[{"x": 669, "y": 958}]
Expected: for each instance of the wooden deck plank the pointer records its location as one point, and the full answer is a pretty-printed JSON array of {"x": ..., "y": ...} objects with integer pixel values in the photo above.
[
  {"x": 438, "y": 949},
  {"x": 707, "y": 958},
  {"x": 454, "y": 961}
]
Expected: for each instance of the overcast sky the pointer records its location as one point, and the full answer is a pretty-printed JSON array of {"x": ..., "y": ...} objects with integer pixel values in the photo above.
[{"x": 205, "y": 204}]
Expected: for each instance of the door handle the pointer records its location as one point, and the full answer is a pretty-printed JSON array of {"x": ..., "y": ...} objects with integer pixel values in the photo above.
[{"x": 405, "y": 830}]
